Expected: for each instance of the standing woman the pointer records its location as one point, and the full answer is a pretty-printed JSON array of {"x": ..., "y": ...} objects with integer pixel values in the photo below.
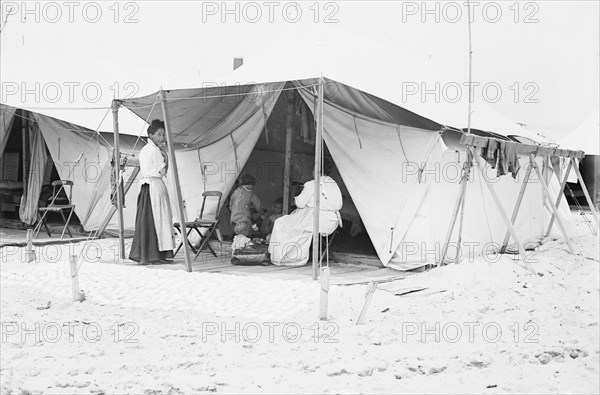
[{"x": 153, "y": 237}]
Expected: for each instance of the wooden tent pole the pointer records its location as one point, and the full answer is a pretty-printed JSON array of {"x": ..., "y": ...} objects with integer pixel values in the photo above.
[
  {"x": 317, "y": 204},
  {"x": 115, "y": 111},
  {"x": 288, "y": 157},
  {"x": 459, "y": 199},
  {"x": 467, "y": 165},
  {"x": 517, "y": 206},
  {"x": 586, "y": 193},
  {"x": 173, "y": 163},
  {"x": 457, "y": 205},
  {"x": 462, "y": 205},
  {"x": 505, "y": 218},
  {"x": 563, "y": 183},
  {"x": 546, "y": 195}
]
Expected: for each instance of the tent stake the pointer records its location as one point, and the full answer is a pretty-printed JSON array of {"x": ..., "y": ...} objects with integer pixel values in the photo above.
[
  {"x": 317, "y": 204},
  {"x": 29, "y": 251},
  {"x": 78, "y": 296},
  {"x": 505, "y": 218},
  {"x": 371, "y": 288},
  {"x": 324, "y": 301},
  {"x": 171, "y": 149},
  {"x": 563, "y": 183},
  {"x": 546, "y": 194},
  {"x": 115, "y": 112},
  {"x": 586, "y": 193},
  {"x": 516, "y": 209}
]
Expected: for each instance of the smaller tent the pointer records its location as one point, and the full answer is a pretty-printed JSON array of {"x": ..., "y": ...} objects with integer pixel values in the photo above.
[
  {"x": 586, "y": 138},
  {"x": 55, "y": 149}
]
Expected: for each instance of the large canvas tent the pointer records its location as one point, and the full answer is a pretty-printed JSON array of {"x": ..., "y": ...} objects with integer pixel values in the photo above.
[
  {"x": 397, "y": 152},
  {"x": 401, "y": 169}
]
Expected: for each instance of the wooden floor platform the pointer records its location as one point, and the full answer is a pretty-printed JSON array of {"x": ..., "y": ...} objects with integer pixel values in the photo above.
[
  {"x": 349, "y": 269},
  {"x": 341, "y": 273}
]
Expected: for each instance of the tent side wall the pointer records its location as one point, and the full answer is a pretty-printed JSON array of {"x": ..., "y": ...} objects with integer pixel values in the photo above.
[
  {"x": 483, "y": 228},
  {"x": 80, "y": 157},
  {"x": 404, "y": 186}
]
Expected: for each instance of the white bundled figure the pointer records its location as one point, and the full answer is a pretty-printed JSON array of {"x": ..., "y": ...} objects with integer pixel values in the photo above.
[
  {"x": 239, "y": 242},
  {"x": 292, "y": 234}
]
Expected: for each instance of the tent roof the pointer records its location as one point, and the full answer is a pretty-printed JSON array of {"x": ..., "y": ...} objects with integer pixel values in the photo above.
[
  {"x": 64, "y": 125},
  {"x": 197, "y": 115},
  {"x": 363, "y": 76}
]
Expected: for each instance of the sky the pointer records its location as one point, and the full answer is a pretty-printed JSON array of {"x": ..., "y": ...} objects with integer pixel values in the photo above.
[{"x": 539, "y": 62}]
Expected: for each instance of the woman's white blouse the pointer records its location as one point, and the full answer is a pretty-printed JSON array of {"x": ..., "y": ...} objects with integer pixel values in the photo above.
[{"x": 151, "y": 162}]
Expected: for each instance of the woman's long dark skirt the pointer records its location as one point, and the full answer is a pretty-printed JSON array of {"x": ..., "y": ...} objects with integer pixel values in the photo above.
[{"x": 144, "y": 248}]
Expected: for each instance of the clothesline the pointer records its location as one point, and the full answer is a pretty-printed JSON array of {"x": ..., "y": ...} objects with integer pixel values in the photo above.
[{"x": 522, "y": 149}]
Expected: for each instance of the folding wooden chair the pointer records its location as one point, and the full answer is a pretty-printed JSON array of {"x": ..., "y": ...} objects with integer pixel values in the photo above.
[
  {"x": 210, "y": 224},
  {"x": 55, "y": 206},
  {"x": 326, "y": 240}
]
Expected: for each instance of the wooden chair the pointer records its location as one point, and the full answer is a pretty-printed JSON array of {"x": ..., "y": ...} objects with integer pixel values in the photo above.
[
  {"x": 55, "y": 206},
  {"x": 210, "y": 224},
  {"x": 326, "y": 240}
]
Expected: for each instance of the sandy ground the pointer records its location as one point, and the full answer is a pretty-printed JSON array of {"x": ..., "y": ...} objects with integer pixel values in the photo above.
[{"x": 481, "y": 327}]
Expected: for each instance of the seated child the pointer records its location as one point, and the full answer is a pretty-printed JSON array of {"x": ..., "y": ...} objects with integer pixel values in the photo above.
[{"x": 277, "y": 213}]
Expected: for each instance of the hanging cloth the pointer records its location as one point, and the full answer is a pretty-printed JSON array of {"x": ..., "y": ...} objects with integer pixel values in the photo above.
[
  {"x": 29, "y": 201},
  {"x": 511, "y": 158}
]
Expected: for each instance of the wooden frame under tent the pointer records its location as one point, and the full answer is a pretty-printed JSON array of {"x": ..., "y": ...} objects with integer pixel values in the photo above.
[{"x": 473, "y": 143}]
